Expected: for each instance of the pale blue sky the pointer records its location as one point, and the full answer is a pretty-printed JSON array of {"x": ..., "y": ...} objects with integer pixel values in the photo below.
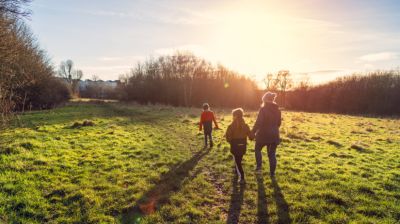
[{"x": 322, "y": 38}]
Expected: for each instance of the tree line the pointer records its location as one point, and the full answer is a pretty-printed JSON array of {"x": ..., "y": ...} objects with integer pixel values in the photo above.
[
  {"x": 375, "y": 93},
  {"x": 27, "y": 78},
  {"x": 182, "y": 79}
]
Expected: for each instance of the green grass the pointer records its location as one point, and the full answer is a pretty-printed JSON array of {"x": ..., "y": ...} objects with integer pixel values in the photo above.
[{"x": 146, "y": 164}]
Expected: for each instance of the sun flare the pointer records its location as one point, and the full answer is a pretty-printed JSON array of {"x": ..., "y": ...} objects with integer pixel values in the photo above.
[{"x": 255, "y": 41}]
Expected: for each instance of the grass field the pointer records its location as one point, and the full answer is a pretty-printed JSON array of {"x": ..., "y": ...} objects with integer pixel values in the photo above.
[{"x": 146, "y": 164}]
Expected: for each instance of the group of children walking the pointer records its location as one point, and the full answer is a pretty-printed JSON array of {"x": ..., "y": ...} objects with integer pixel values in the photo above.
[{"x": 265, "y": 132}]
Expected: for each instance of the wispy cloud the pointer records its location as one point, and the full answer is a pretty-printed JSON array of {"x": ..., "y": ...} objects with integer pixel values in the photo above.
[
  {"x": 105, "y": 68},
  {"x": 196, "y": 49},
  {"x": 117, "y": 59},
  {"x": 105, "y": 13},
  {"x": 160, "y": 14},
  {"x": 322, "y": 76},
  {"x": 381, "y": 56},
  {"x": 328, "y": 71},
  {"x": 109, "y": 58}
]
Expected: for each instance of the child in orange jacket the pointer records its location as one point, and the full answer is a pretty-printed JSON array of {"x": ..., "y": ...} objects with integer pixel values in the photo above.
[{"x": 206, "y": 119}]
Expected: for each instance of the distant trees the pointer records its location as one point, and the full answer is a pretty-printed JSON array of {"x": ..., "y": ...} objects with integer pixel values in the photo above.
[
  {"x": 26, "y": 76},
  {"x": 281, "y": 83},
  {"x": 269, "y": 82},
  {"x": 71, "y": 75},
  {"x": 374, "y": 93},
  {"x": 183, "y": 79},
  {"x": 284, "y": 82},
  {"x": 299, "y": 93}
]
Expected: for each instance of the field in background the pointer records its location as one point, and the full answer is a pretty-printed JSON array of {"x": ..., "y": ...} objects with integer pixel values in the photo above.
[{"x": 146, "y": 164}]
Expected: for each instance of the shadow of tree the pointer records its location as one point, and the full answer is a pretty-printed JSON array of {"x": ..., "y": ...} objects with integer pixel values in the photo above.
[
  {"x": 262, "y": 206},
  {"x": 161, "y": 192},
  {"x": 281, "y": 204},
  {"x": 236, "y": 201}
]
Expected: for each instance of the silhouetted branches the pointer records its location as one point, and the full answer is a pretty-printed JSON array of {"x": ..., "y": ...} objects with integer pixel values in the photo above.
[
  {"x": 71, "y": 75},
  {"x": 26, "y": 75},
  {"x": 183, "y": 79},
  {"x": 14, "y": 8},
  {"x": 375, "y": 93}
]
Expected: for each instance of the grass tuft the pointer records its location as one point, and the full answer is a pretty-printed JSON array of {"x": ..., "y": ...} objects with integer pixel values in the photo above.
[{"x": 334, "y": 143}]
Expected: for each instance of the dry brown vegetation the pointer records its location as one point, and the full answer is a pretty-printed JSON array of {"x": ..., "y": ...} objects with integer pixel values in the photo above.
[{"x": 26, "y": 74}]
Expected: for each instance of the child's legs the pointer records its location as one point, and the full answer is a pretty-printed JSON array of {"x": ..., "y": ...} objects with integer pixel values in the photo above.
[
  {"x": 207, "y": 131},
  {"x": 238, "y": 149},
  {"x": 238, "y": 161},
  {"x": 210, "y": 137},
  {"x": 205, "y": 137}
]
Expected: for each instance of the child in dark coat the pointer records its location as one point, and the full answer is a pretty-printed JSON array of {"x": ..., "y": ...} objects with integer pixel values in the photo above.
[
  {"x": 236, "y": 135},
  {"x": 206, "y": 119}
]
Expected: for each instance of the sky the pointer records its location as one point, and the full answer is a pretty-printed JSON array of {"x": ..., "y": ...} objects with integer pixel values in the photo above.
[{"x": 318, "y": 39}]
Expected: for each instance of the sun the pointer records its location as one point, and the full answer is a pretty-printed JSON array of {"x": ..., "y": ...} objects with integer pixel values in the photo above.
[{"x": 255, "y": 39}]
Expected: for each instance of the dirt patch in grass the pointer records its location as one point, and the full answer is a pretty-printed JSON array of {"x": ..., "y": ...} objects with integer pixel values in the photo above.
[
  {"x": 8, "y": 150},
  {"x": 341, "y": 156},
  {"x": 27, "y": 145},
  {"x": 85, "y": 123},
  {"x": 186, "y": 121},
  {"x": 295, "y": 136},
  {"x": 360, "y": 149},
  {"x": 316, "y": 138},
  {"x": 365, "y": 190}
]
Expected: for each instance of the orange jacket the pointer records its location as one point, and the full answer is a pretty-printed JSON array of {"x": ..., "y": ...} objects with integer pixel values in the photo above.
[{"x": 207, "y": 115}]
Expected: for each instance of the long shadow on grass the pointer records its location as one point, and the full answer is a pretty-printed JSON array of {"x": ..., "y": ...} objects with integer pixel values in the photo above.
[
  {"x": 281, "y": 204},
  {"x": 161, "y": 192},
  {"x": 236, "y": 201},
  {"x": 262, "y": 206}
]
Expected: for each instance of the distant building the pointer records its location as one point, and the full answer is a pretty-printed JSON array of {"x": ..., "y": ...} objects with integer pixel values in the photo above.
[
  {"x": 83, "y": 84},
  {"x": 98, "y": 89}
]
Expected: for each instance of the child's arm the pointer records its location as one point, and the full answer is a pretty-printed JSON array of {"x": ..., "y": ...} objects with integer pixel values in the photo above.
[
  {"x": 215, "y": 121},
  {"x": 228, "y": 134},
  {"x": 249, "y": 134}
]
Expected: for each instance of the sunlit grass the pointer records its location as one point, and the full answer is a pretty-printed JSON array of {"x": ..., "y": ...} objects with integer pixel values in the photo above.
[{"x": 146, "y": 164}]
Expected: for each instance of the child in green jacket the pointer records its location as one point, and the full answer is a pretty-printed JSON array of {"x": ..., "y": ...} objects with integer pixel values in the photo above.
[{"x": 236, "y": 134}]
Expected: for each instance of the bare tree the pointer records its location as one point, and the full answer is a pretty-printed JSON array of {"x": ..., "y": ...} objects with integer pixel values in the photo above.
[
  {"x": 71, "y": 75},
  {"x": 65, "y": 70},
  {"x": 284, "y": 82},
  {"x": 14, "y": 7},
  {"x": 304, "y": 83},
  {"x": 268, "y": 81}
]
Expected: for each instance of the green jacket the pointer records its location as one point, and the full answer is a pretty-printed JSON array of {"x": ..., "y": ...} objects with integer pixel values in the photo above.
[{"x": 237, "y": 130}]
